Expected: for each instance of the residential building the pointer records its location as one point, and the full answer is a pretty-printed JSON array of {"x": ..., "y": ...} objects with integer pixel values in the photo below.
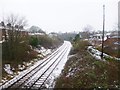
[
  {"x": 96, "y": 39},
  {"x": 5, "y": 32}
]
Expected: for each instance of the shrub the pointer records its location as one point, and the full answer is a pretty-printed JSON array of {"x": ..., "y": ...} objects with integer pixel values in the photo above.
[
  {"x": 45, "y": 41},
  {"x": 80, "y": 45},
  {"x": 33, "y": 41}
]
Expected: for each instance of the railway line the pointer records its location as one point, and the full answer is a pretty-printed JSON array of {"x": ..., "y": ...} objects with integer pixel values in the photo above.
[{"x": 35, "y": 77}]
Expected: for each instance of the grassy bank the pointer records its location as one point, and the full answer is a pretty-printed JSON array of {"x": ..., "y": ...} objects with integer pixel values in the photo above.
[{"x": 84, "y": 71}]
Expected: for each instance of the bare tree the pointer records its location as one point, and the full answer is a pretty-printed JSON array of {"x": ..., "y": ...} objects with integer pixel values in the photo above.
[
  {"x": 16, "y": 20},
  {"x": 88, "y": 28},
  {"x": 13, "y": 25},
  {"x": 86, "y": 31},
  {"x": 17, "y": 24}
]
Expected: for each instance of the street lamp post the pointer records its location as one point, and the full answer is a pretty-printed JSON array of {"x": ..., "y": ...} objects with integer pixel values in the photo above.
[{"x": 103, "y": 30}]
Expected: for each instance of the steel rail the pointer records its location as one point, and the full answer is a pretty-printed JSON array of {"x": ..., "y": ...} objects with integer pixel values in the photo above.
[
  {"x": 20, "y": 85},
  {"x": 52, "y": 70},
  {"x": 46, "y": 69}
]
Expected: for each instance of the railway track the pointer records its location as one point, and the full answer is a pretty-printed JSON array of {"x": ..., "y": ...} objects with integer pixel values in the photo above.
[
  {"x": 37, "y": 76},
  {"x": 39, "y": 82}
]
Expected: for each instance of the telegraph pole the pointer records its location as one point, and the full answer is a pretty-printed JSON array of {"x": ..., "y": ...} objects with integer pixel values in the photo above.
[{"x": 103, "y": 30}]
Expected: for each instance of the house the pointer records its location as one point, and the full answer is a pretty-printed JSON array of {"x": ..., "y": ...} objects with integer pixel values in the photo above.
[
  {"x": 53, "y": 34},
  {"x": 5, "y": 32},
  {"x": 113, "y": 42},
  {"x": 96, "y": 39},
  {"x": 36, "y": 34}
]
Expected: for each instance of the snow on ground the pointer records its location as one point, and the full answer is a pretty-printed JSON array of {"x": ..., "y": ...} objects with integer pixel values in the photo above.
[
  {"x": 21, "y": 67},
  {"x": 63, "y": 61},
  {"x": 22, "y": 73},
  {"x": 71, "y": 72},
  {"x": 56, "y": 72},
  {"x": 9, "y": 70},
  {"x": 59, "y": 68},
  {"x": 97, "y": 54},
  {"x": 50, "y": 82},
  {"x": 43, "y": 51}
]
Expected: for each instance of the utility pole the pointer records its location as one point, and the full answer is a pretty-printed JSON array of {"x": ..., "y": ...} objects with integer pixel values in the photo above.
[{"x": 103, "y": 30}]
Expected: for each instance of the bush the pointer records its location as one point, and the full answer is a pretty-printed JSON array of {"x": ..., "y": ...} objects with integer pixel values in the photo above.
[
  {"x": 15, "y": 50},
  {"x": 80, "y": 45},
  {"x": 45, "y": 41},
  {"x": 33, "y": 41}
]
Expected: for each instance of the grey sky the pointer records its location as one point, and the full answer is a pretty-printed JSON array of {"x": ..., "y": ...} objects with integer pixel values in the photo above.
[{"x": 63, "y": 15}]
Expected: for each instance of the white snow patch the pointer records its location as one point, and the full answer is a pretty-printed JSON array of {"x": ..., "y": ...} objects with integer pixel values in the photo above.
[
  {"x": 8, "y": 69},
  {"x": 43, "y": 52},
  {"x": 21, "y": 67},
  {"x": 54, "y": 75},
  {"x": 60, "y": 66},
  {"x": 97, "y": 54}
]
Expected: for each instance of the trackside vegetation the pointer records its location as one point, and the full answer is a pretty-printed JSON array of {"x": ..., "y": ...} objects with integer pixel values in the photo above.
[
  {"x": 82, "y": 71},
  {"x": 19, "y": 47}
]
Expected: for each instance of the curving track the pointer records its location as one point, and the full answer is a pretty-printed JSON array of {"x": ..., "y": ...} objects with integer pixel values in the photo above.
[{"x": 36, "y": 76}]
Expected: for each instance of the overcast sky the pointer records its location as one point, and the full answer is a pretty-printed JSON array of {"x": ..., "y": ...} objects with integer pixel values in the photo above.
[{"x": 63, "y": 15}]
